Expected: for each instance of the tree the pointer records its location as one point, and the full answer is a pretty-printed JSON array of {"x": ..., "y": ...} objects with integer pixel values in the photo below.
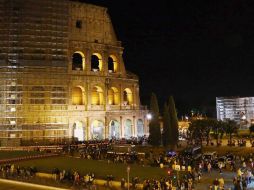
[
  {"x": 251, "y": 129},
  {"x": 200, "y": 129},
  {"x": 167, "y": 137},
  {"x": 154, "y": 125},
  {"x": 196, "y": 130},
  {"x": 173, "y": 120},
  {"x": 218, "y": 129},
  {"x": 230, "y": 127}
]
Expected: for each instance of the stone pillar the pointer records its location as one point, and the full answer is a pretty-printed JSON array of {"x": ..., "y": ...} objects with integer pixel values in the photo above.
[
  {"x": 88, "y": 135},
  {"x": 134, "y": 127},
  {"x": 88, "y": 60},
  {"x": 122, "y": 127},
  {"x": 105, "y": 63},
  {"x": 106, "y": 128},
  {"x": 89, "y": 101},
  {"x": 121, "y": 96},
  {"x": 71, "y": 132},
  {"x": 134, "y": 96}
]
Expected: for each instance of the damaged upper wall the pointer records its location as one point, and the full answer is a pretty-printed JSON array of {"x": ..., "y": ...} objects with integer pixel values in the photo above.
[{"x": 91, "y": 23}]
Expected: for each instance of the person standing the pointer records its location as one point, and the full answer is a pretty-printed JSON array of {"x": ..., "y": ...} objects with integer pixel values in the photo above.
[{"x": 209, "y": 167}]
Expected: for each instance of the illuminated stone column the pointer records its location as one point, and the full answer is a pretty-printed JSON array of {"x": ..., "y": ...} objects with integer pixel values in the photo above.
[
  {"x": 89, "y": 95},
  {"x": 122, "y": 126},
  {"x": 106, "y": 128},
  {"x": 88, "y": 135},
  {"x": 88, "y": 60},
  {"x": 84, "y": 129},
  {"x": 134, "y": 96},
  {"x": 71, "y": 132},
  {"x": 105, "y": 62},
  {"x": 133, "y": 127}
]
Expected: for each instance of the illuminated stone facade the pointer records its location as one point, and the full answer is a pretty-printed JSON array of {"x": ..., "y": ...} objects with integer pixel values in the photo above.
[
  {"x": 62, "y": 74},
  {"x": 239, "y": 109}
]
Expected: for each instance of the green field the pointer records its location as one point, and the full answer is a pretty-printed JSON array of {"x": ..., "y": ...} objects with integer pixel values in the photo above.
[
  {"x": 100, "y": 168},
  {"x": 17, "y": 154}
]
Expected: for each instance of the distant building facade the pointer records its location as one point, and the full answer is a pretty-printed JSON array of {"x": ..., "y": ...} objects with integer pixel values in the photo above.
[
  {"x": 239, "y": 109},
  {"x": 62, "y": 74}
]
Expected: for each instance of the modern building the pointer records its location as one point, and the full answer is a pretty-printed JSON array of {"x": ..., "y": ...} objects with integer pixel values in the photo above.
[
  {"x": 239, "y": 109},
  {"x": 62, "y": 74}
]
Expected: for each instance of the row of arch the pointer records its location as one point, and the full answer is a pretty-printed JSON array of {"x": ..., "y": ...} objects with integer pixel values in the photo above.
[
  {"x": 79, "y": 62},
  {"x": 97, "y": 96},
  {"x": 97, "y": 130}
]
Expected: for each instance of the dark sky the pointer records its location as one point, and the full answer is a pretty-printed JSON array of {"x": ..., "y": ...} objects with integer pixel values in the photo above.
[{"x": 193, "y": 50}]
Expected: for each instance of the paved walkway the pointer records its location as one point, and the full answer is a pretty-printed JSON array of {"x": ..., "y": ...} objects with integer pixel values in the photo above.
[
  {"x": 207, "y": 180},
  {"x": 17, "y": 185}
]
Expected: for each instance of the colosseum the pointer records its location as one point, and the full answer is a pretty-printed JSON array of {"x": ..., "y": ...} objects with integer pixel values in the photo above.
[{"x": 62, "y": 75}]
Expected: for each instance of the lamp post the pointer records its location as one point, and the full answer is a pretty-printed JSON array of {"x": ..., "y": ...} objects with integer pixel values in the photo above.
[
  {"x": 128, "y": 177},
  {"x": 148, "y": 117}
]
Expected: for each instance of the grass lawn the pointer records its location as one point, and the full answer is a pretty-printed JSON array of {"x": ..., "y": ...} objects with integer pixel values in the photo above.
[
  {"x": 17, "y": 154},
  {"x": 100, "y": 168}
]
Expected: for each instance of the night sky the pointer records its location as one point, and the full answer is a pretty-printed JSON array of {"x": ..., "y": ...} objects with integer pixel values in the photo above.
[{"x": 193, "y": 50}]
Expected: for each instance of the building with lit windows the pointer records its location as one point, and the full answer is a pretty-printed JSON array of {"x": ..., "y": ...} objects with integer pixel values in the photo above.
[
  {"x": 239, "y": 109},
  {"x": 62, "y": 74}
]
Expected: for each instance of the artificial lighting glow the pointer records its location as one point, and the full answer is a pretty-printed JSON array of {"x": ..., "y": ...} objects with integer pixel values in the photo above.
[
  {"x": 78, "y": 131},
  {"x": 149, "y": 116},
  {"x": 13, "y": 122},
  {"x": 13, "y": 109}
]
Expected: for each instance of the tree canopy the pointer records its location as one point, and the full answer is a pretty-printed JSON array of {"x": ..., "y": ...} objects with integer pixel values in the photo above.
[{"x": 154, "y": 125}]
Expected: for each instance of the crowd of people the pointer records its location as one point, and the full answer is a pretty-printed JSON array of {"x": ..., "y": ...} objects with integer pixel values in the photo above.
[{"x": 191, "y": 168}]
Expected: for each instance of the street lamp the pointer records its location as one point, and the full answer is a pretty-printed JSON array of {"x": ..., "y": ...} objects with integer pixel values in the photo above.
[
  {"x": 128, "y": 177},
  {"x": 149, "y": 116}
]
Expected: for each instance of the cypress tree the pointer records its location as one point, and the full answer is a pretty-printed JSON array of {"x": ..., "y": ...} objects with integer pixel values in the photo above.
[
  {"x": 174, "y": 120},
  {"x": 167, "y": 129},
  {"x": 154, "y": 125}
]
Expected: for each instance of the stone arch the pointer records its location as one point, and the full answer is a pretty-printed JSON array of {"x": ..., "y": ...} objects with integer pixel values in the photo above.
[
  {"x": 113, "y": 96},
  {"x": 114, "y": 129},
  {"x": 127, "y": 128},
  {"x": 78, "y": 61},
  {"x": 97, "y": 96},
  {"x": 112, "y": 64},
  {"x": 78, "y": 96},
  {"x": 96, "y": 62},
  {"x": 79, "y": 130},
  {"x": 140, "y": 128},
  {"x": 97, "y": 130},
  {"x": 127, "y": 96}
]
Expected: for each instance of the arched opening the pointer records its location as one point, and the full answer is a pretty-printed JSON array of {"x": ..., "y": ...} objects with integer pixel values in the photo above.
[
  {"x": 97, "y": 130},
  {"x": 127, "y": 129},
  {"x": 127, "y": 97},
  {"x": 113, "y": 96},
  {"x": 78, "y": 61},
  {"x": 78, "y": 131},
  {"x": 114, "y": 129},
  {"x": 97, "y": 96},
  {"x": 96, "y": 62},
  {"x": 77, "y": 96},
  {"x": 112, "y": 64},
  {"x": 140, "y": 128}
]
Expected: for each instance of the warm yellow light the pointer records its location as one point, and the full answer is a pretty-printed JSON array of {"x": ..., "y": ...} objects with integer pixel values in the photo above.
[
  {"x": 77, "y": 98},
  {"x": 83, "y": 59},
  {"x": 100, "y": 60}
]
